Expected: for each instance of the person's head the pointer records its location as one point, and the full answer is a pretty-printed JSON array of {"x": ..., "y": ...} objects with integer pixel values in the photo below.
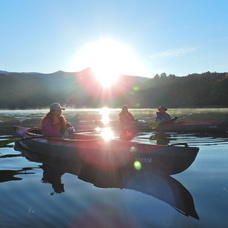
[
  {"x": 124, "y": 108},
  {"x": 56, "y": 109},
  {"x": 162, "y": 108}
]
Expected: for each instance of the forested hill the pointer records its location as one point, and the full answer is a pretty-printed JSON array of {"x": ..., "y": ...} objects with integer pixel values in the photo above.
[{"x": 81, "y": 90}]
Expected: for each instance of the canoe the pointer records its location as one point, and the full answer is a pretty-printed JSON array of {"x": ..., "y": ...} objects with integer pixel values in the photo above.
[
  {"x": 154, "y": 184},
  {"x": 109, "y": 155},
  {"x": 185, "y": 126}
]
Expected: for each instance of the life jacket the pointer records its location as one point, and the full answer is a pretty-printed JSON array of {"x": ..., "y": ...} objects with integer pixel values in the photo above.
[
  {"x": 162, "y": 116},
  {"x": 56, "y": 123},
  {"x": 59, "y": 124}
]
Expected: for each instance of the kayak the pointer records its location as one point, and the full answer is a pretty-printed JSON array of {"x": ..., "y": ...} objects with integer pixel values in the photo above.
[
  {"x": 155, "y": 184},
  {"x": 184, "y": 126},
  {"x": 109, "y": 154}
]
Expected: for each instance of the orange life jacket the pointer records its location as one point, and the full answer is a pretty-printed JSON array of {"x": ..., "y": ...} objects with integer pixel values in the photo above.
[
  {"x": 56, "y": 123},
  {"x": 59, "y": 124}
]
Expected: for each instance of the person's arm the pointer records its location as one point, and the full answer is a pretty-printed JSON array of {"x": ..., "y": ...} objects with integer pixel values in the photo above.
[
  {"x": 70, "y": 128},
  {"x": 167, "y": 117},
  {"x": 131, "y": 117},
  {"x": 49, "y": 131},
  {"x": 121, "y": 118}
]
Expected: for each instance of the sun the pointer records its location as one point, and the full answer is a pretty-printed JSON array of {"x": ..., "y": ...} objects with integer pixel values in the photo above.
[{"x": 109, "y": 59}]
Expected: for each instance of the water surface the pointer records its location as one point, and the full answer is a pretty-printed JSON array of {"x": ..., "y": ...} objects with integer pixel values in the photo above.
[{"x": 145, "y": 200}]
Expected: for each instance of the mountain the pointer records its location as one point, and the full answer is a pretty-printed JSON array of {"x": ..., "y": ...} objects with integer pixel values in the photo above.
[
  {"x": 4, "y": 72},
  {"x": 74, "y": 89},
  {"x": 82, "y": 90}
]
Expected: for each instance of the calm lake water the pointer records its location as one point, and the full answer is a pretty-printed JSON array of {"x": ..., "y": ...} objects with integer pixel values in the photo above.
[{"x": 197, "y": 197}]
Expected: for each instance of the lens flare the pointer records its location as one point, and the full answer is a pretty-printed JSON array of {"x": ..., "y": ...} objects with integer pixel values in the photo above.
[
  {"x": 137, "y": 165},
  {"x": 133, "y": 149}
]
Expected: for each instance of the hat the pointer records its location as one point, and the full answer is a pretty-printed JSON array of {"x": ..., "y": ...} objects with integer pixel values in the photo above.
[
  {"x": 56, "y": 106},
  {"x": 124, "y": 106},
  {"x": 162, "y": 107}
]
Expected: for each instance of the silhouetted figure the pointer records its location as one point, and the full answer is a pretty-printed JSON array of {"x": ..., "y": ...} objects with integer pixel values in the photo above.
[
  {"x": 161, "y": 138},
  {"x": 126, "y": 119}
]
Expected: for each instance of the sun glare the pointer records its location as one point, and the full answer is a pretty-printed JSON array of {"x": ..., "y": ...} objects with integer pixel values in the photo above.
[
  {"x": 105, "y": 115},
  {"x": 107, "y": 133},
  {"x": 109, "y": 59}
]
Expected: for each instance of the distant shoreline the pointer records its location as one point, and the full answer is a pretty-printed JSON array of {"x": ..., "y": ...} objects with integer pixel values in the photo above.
[{"x": 88, "y": 108}]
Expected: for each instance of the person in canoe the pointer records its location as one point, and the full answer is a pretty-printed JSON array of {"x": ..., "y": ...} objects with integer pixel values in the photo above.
[
  {"x": 126, "y": 120},
  {"x": 125, "y": 117},
  {"x": 163, "y": 116},
  {"x": 54, "y": 123}
]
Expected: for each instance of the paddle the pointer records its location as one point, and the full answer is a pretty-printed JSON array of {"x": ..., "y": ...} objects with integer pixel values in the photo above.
[
  {"x": 184, "y": 115},
  {"x": 6, "y": 137},
  {"x": 3, "y": 143},
  {"x": 156, "y": 124}
]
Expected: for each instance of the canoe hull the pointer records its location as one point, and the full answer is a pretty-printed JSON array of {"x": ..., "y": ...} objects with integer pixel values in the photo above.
[
  {"x": 183, "y": 126},
  {"x": 207, "y": 127},
  {"x": 115, "y": 154},
  {"x": 154, "y": 184}
]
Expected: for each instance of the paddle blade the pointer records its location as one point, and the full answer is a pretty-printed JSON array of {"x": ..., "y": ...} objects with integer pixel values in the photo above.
[
  {"x": 154, "y": 124},
  {"x": 8, "y": 141}
]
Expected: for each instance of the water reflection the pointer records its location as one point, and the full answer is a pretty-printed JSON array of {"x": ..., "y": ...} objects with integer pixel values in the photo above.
[
  {"x": 105, "y": 112},
  {"x": 196, "y": 139},
  {"x": 52, "y": 175},
  {"x": 161, "y": 138},
  {"x": 9, "y": 175},
  {"x": 153, "y": 183}
]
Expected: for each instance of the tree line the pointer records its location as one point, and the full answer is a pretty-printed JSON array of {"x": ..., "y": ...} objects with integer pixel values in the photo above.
[{"x": 81, "y": 90}]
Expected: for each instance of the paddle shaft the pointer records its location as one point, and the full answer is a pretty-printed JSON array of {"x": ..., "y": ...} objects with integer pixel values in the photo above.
[
  {"x": 184, "y": 115},
  {"x": 7, "y": 137},
  {"x": 3, "y": 143}
]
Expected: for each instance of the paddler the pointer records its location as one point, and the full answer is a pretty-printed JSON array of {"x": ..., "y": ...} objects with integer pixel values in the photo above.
[
  {"x": 163, "y": 116},
  {"x": 54, "y": 123},
  {"x": 127, "y": 130},
  {"x": 125, "y": 117}
]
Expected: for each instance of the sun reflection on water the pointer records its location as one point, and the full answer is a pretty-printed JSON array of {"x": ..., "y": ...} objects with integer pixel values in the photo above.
[
  {"x": 105, "y": 115},
  {"x": 106, "y": 133}
]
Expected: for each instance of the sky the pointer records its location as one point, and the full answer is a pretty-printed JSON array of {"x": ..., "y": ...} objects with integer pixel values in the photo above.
[{"x": 137, "y": 37}]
